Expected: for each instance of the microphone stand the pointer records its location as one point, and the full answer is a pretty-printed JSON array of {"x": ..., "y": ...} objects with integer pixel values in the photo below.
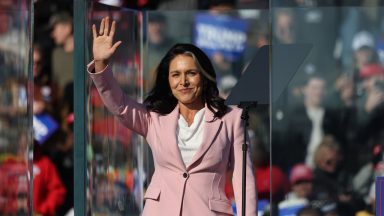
[{"x": 245, "y": 106}]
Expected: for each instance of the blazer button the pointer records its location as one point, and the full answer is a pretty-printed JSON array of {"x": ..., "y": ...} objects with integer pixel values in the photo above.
[{"x": 185, "y": 175}]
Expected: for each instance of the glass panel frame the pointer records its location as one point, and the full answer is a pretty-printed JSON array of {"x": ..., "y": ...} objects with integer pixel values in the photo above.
[{"x": 114, "y": 171}]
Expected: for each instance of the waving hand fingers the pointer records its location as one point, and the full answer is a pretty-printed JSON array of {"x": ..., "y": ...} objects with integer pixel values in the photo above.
[{"x": 103, "y": 46}]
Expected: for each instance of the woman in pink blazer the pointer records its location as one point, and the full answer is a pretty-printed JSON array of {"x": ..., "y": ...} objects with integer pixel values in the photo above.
[{"x": 195, "y": 138}]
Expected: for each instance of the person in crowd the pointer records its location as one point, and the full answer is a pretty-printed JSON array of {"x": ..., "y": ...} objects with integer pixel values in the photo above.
[
  {"x": 158, "y": 43},
  {"x": 62, "y": 157},
  {"x": 272, "y": 182},
  {"x": 284, "y": 26},
  {"x": 371, "y": 207},
  {"x": 315, "y": 121},
  {"x": 330, "y": 183},
  {"x": 62, "y": 54},
  {"x": 342, "y": 100},
  {"x": 363, "y": 46},
  {"x": 371, "y": 128},
  {"x": 14, "y": 178},
  {"x": 370, "y": 106},
  {"x": 157, "y": 38},
  {"x": 372, "y": 76},
  {"x": 327, "y": 158},
  {"x": 203, "y": 136},
  {"x": 50, "y": 193},
  {"x": 46, "y": 92},
  {"x": 343, "y": 94},
  {"x": 362, "y": 181},
  {"x": 62, "y": 60},
  {"x": 48, "y": 190},
  {"x": 301, "y": 188}
]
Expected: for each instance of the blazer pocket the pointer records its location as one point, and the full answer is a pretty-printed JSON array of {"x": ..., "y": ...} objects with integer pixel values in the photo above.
[
  {"x": 152, "y": 193},
  {"x": 223, "y": 206}
]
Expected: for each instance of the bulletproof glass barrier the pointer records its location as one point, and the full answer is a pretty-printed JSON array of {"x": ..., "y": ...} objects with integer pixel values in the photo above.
[
  {"x": 16, "y": 141},
  {"x": 326, "y": 114},
  {"x": 119, "y": 162},
  {"x": 312, "y": 140}
]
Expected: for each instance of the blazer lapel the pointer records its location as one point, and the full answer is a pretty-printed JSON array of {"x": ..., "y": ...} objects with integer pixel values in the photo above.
[
  {"x": 211, "y": 130},
  {"x": 169, "y": 125}
]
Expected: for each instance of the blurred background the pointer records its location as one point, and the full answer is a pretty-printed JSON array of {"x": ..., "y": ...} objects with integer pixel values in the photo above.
[{"x": 316, "y": 149}]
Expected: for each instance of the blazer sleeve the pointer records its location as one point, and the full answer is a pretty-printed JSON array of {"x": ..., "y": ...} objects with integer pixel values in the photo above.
[
  {"x": 237, "y": 161},
  {"x": 132, "y": 114}
]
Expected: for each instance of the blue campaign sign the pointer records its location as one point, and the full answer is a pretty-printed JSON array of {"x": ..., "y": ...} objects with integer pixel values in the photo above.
[
  {"x": 43, "y": 127},
  {"x": 220, "y": 33}
]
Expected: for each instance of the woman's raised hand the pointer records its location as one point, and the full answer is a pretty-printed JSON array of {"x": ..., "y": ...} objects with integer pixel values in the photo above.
[{"x": 103, "y": 46}]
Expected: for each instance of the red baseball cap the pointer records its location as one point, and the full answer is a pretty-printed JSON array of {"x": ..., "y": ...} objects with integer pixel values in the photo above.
[
  {"x": 300, "y": 172},
  {"x": 371, "y": 70}
]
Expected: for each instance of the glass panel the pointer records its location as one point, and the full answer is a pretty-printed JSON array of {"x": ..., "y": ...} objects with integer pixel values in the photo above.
[
  {"x": 15, "y": 108},
  {"x": 114, "y": 153},
  {"x": 120, "y": 167},
  {"x": 327, "y": 128}
]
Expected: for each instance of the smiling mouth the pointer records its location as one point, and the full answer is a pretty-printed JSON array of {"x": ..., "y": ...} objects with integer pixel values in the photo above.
[{"x": 187, "y": 90}]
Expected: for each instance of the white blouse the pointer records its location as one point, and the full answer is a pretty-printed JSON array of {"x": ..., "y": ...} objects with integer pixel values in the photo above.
[{"x": 190, "y": 138}]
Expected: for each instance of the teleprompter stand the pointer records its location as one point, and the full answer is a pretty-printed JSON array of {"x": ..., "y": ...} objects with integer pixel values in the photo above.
[
  {"x": 262, "y": 83},
  {"x": 245, "y": 117}
]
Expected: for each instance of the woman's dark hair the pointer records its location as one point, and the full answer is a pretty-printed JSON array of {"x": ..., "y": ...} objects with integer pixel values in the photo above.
[{"x": 161, "y": 99}]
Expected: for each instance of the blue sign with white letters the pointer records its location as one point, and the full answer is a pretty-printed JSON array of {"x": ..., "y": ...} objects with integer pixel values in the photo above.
[
  {"x": 43, "y": 127},
  {"x": 220, "y": 34}
]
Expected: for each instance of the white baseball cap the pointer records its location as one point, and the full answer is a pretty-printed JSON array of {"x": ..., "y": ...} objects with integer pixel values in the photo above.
[{"x": 362, "y": 39}]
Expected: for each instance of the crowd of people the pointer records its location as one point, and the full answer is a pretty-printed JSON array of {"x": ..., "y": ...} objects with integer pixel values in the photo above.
[{"x": 327, "y": 131}]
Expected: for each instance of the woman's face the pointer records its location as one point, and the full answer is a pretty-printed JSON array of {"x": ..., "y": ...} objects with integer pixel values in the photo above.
[
  {"x": 330, "y": 160},
  {"x": 185, "y": 80}
]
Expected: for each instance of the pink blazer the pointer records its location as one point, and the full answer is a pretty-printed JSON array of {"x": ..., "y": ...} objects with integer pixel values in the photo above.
[{"x": 176, "y": 189}]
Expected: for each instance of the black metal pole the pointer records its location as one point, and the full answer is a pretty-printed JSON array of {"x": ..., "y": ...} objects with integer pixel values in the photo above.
[{"x": 245, "y": 117}]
